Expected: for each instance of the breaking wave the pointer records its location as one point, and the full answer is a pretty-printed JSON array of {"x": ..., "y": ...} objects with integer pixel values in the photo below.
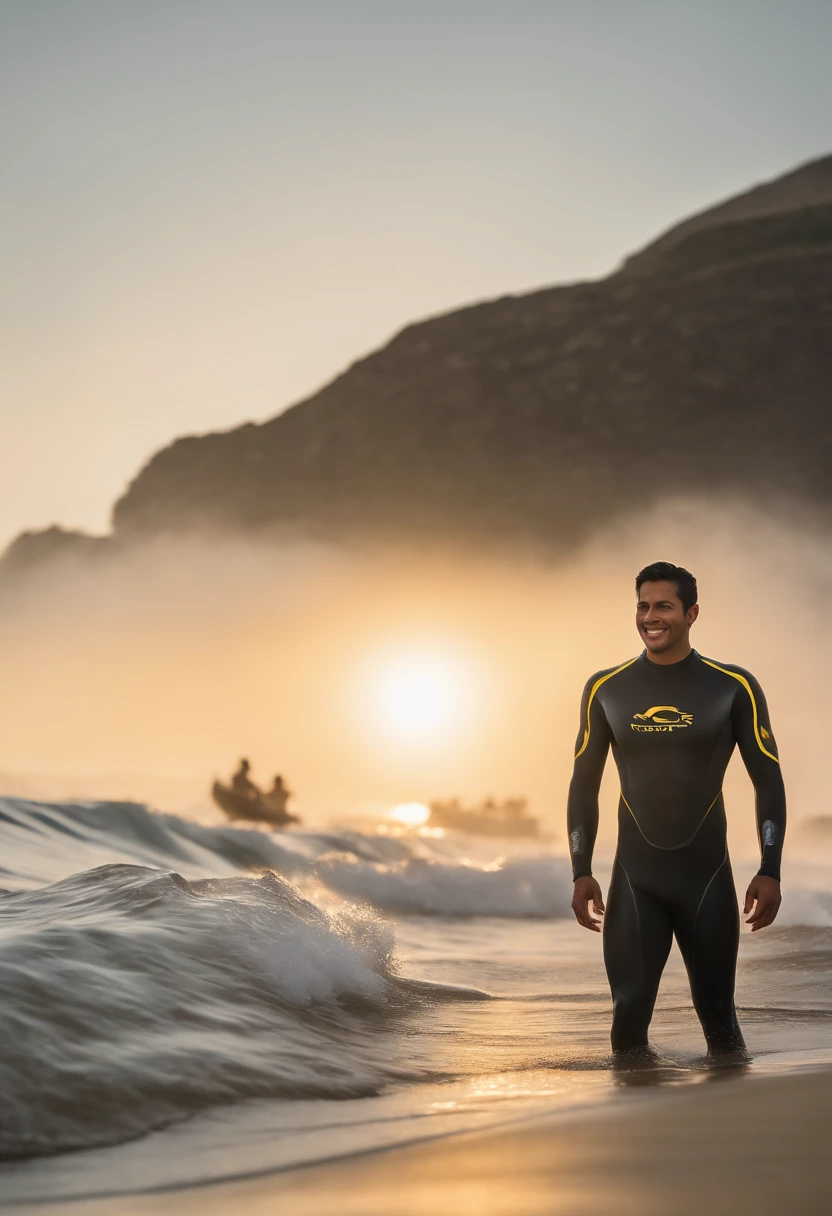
[
  {"x": 151, "y": 966},
  {"x": 134, "y": 998},
  {"x": 417, "y": 876}
]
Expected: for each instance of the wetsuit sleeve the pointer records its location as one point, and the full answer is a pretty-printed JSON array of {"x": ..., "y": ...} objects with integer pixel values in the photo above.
[
  {"x": 752, "y": 730},
  {"x": 591, "y": 749}
]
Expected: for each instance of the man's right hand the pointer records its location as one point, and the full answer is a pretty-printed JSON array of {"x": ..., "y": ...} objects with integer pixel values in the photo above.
[{"x": 587, "y": 892}]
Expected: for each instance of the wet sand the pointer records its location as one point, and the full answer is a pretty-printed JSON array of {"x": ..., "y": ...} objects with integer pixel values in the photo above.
[{"x": 756, "y": 1144}]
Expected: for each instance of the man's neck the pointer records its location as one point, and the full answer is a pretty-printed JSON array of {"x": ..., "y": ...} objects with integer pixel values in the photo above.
[{"x": 675, "y": 655}]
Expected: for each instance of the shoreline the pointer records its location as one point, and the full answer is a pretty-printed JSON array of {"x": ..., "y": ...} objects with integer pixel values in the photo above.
[{"x": 747, "y": 1141}]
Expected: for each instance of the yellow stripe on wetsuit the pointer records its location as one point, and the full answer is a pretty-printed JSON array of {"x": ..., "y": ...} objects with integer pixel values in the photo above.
[
  {"x": 592, "y": 693},
  {"x": 747, "y": 688}
]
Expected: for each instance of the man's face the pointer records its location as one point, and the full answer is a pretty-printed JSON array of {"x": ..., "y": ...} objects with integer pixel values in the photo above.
[{"x": 660, "y": 618}]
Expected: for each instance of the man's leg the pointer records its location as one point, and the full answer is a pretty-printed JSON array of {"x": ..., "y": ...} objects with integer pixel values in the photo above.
[
  {"x": 637, "y": 937},
  {"x": 708, "y": 933}
]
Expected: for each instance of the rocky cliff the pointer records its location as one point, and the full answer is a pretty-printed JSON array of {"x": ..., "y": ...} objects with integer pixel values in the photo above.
[{"x": 702, "y": 365}]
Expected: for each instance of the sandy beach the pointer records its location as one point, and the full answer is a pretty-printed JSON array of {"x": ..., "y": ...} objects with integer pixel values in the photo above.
[{"x": 758, "y": 1144}]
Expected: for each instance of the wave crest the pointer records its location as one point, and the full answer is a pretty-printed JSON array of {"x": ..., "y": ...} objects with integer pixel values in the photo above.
[
  {"x": 135, "y": 997},
  {"x": 535, "y": 887}
]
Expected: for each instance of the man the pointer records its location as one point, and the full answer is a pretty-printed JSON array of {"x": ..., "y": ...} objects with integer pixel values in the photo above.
[
  {"x": 277, "y": 797},
  {"x": 672, "y": 718},
  {"x": 242, "y": 784}
]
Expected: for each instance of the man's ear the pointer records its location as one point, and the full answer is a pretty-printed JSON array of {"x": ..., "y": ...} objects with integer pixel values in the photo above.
[{"x": 693, "y": 613}]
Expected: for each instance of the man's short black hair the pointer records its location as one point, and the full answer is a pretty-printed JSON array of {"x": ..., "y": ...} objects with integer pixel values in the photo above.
[{"x": 660, "y": 572}]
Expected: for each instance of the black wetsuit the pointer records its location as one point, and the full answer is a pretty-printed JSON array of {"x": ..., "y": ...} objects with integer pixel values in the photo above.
[{"x": 672, "y": 730}]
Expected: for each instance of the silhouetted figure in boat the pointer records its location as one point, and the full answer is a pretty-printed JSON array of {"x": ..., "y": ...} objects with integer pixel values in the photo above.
[
  {"x": 243, "y": 800},
  {"x": 242, "y": 784},
  {"x": 277, "y": 797}
]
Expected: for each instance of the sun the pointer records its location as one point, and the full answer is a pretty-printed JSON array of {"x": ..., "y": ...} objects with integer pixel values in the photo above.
[
  {"x": 419, "y": 694},
  {"x": 418, "y": 697}
]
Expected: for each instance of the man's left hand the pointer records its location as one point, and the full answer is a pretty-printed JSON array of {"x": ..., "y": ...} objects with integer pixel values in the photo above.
[{"x": 764, "y": 896}]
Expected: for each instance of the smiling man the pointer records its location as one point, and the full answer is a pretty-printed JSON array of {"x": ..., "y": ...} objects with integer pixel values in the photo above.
[{"x": 672, "y": 719}]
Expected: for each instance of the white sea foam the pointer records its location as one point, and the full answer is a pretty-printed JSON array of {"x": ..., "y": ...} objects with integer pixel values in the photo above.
[
  {"x": 138, "y": 958},
  {"x": 807, "y": 893},
  {"x": 134, "y": 997},
  {"x": 519, "y": 887}
]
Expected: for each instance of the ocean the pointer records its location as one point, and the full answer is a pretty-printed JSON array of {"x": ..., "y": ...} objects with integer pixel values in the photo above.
[{"x": 184, "y": 1003}]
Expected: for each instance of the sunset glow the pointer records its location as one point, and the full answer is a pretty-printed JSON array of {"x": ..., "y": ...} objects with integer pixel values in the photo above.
[
  {"x": 420, "y": 694},
  {"x": 412, "y": 814}
]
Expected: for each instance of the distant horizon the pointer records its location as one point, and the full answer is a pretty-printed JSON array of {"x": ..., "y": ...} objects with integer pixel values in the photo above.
[{"x": 212, "y": 213}]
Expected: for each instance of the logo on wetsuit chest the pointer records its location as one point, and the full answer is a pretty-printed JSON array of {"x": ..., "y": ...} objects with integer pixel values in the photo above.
[{"x": 661, "y": 718}]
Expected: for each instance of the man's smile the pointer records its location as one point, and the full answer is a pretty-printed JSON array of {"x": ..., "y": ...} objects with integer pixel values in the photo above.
[{"x": 654, "y": 631}]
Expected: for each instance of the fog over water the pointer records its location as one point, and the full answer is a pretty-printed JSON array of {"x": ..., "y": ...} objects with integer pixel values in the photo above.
[{"x": 146, "y": 676}]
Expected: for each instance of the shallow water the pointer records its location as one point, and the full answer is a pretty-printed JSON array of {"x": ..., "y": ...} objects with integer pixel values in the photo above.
[{"x": 191, "y": 1003}]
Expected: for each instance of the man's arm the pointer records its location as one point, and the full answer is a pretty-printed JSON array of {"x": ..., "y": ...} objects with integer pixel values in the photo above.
[
  {"x": 752, "y": 730},
  {"x": 591, "y": 750}
]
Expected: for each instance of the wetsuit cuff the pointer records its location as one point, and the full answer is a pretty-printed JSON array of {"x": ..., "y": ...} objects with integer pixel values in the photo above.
[
  {"x": 581, "y": 874},
  {"x": 767, "y": 870}
]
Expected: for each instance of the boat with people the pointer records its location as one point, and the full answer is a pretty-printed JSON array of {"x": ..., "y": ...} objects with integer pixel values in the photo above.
[
  {"x": 243, "y": 800},
  {"x": 508, "y": 818}
]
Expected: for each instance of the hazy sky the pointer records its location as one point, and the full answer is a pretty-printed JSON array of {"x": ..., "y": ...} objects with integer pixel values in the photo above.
[{"x": 208, "y": 209}]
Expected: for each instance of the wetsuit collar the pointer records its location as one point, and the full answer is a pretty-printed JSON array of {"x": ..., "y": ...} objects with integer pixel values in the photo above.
[{"x": 682, "y": 665}]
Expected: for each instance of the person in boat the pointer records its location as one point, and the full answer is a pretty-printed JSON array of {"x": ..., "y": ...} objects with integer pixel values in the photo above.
[
  {"x": 242, "y": 784},
  {"x": 277, "y": 797},
  {"x": 514, "y": 809}
]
